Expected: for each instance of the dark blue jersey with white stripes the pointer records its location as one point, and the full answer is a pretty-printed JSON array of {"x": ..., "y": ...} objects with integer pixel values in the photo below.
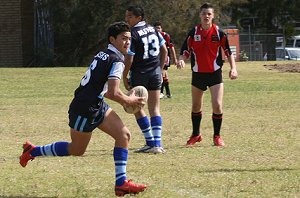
[
  {"x": 107, "y": 64},
  {"x": 145, "y": 47}
]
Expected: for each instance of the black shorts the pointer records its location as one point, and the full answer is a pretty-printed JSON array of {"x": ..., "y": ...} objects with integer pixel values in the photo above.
[
  {"x": 87, "y": 123},
  {"x": 204, "y": 80},
  {"x": 150, "y": 80}
]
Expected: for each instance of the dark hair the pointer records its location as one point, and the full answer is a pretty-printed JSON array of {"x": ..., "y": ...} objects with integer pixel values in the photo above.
[
  {"x": 117, "y": 28},
  {"x": 206, "y": 6},
  {"x": 158, "y": 23},
  {"x": 136, "y": 10}
]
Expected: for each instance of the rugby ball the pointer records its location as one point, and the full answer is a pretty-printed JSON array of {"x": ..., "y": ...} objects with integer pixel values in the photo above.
[{"x": 140, "y": 91}]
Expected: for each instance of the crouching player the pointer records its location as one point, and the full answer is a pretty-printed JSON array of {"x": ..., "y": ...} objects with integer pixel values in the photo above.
[{"x": 88, "y": 110}]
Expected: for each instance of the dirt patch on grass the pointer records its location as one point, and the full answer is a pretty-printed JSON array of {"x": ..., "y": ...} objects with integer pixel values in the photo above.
[{"x": 287, "y": 67}]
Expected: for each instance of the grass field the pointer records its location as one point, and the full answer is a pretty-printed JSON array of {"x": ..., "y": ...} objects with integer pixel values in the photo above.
[{"x": 261, "y": 129}]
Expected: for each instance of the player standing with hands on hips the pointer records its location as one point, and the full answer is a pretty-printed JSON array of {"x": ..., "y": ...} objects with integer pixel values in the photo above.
[
  {"x": 203, "y": 44},
  {"x": 145, "y": 60},
  {"x": 89, "y": 111}
]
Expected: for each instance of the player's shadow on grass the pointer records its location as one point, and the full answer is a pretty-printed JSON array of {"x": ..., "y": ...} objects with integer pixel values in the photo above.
[{"x": 249, "y": 170}]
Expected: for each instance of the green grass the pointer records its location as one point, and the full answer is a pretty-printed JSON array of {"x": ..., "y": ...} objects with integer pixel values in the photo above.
[{"x": 260, "y": 128}]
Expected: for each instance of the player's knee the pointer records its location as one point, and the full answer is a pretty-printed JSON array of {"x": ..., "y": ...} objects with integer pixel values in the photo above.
[{"x": 126, "y": 136}]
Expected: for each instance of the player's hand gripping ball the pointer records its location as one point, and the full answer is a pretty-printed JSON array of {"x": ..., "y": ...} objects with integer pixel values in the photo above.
[{"x": 139, "y": 91}]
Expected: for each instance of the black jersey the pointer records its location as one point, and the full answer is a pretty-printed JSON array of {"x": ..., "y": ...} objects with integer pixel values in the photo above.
[
  {"x": 145, "y": 47},
  {"x": 107, "y": 64}
]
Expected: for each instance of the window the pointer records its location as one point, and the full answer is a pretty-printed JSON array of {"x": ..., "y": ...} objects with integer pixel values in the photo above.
[{"x": 297, "y": 43}]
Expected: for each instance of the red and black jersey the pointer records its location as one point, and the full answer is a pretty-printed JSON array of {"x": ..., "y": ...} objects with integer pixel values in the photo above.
[
  {"x": 169, "y": 42},
  {"x": 204, "y": 47}
]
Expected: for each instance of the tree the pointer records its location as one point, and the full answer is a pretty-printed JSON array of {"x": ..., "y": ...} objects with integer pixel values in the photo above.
[
  {"x": 80, "y": 26},
  {"x": 269, "y": 15}
]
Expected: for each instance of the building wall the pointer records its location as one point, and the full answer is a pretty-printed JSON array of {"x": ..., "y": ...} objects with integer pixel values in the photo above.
[
  {"x": 16, "y": 32},
  {"x": 233, "y": 39}
]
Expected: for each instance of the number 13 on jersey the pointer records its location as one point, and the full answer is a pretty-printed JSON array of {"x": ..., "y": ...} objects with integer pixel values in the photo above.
[{"x": 151, "y": 46}]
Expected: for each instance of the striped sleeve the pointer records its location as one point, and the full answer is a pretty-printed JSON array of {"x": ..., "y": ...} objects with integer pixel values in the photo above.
[{"x": 116, "y": 70}]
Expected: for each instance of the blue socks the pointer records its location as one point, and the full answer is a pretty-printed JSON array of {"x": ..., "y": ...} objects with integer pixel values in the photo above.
[
  {"x": 120, "y": 158},
  {"x": 145, "y": 127},
  {"x": 156, "y": 126},
  {"x": 54, "y": 149},
  {"x": 61, "y": 149},
  {"x": 151, "y": 133}
]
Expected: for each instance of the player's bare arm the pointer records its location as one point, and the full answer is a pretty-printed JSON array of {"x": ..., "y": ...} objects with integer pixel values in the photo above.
[
  {"x": 128, "y": 61},
  {"x": 114, "y": 93},
  {"x": 174, "y": 55},
  {"x": 233, "y": 74},
  {"x": 163, "y": 55}
]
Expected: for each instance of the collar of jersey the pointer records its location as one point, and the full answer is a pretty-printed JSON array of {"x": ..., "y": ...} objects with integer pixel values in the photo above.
[
  {"x": 112, "y": 48},
  {"x": 141, "y": 23}
]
